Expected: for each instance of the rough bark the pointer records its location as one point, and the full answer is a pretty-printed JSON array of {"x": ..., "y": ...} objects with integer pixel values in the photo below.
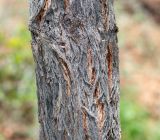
[{"x": 74, "y": 44}]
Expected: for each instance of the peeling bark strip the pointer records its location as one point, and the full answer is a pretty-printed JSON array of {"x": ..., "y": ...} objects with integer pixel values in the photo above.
[
  {"x": 91, "y": 70},
  {"x": 74, "y": 44}
]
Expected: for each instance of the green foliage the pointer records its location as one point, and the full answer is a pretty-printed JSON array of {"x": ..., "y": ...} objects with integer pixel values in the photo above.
[
  {"x": 17, "y": 79},
  {"x": 135, "y": 119},
  {"x": 2, "y": 137}
]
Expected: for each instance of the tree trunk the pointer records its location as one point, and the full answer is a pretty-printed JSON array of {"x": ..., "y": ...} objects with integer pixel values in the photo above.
[{"x": 74, "y": 44}]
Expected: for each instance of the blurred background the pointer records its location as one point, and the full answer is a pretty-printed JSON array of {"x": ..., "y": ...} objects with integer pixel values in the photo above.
[{"x": 139, "y": 43}]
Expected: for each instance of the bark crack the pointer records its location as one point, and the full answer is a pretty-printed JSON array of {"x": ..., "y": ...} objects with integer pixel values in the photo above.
[
  {"x": 100, "y": 109},
  {"x": 43, "y": 10},
  {"x": 109, "y": 63},
  {"x": 104, "y": 14},
  {"x": 85, "y": 127},
  {"x": 66, "y": 74}
]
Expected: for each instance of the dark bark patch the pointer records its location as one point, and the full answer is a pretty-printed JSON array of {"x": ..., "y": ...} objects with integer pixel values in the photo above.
[
  {"x": 75, "y": 25},
  {"x": 62, "y": 43},
  {"x": 84, "y": 117},
  {"x": 109, "y": 135},
  {"x": 109, "y": 63},
  {"x": 65, "y": 135},
  {"x": 93, "y": 78},
  {"x": 85, "y": 126}
]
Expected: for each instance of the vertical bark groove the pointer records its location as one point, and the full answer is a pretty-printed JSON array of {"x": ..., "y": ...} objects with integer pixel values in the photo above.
[
  {"x": 109, "y": 62},
  {"x": 74, "y": 44}
]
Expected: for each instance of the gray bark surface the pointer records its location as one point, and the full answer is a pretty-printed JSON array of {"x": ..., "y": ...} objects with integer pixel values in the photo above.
[{"x": 74, "y": 44}]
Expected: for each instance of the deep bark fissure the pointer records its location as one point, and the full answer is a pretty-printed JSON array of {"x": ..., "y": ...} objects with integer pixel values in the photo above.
[
  {"x": 109, "y": 62},
  {"x": 74, "y": 44}
]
